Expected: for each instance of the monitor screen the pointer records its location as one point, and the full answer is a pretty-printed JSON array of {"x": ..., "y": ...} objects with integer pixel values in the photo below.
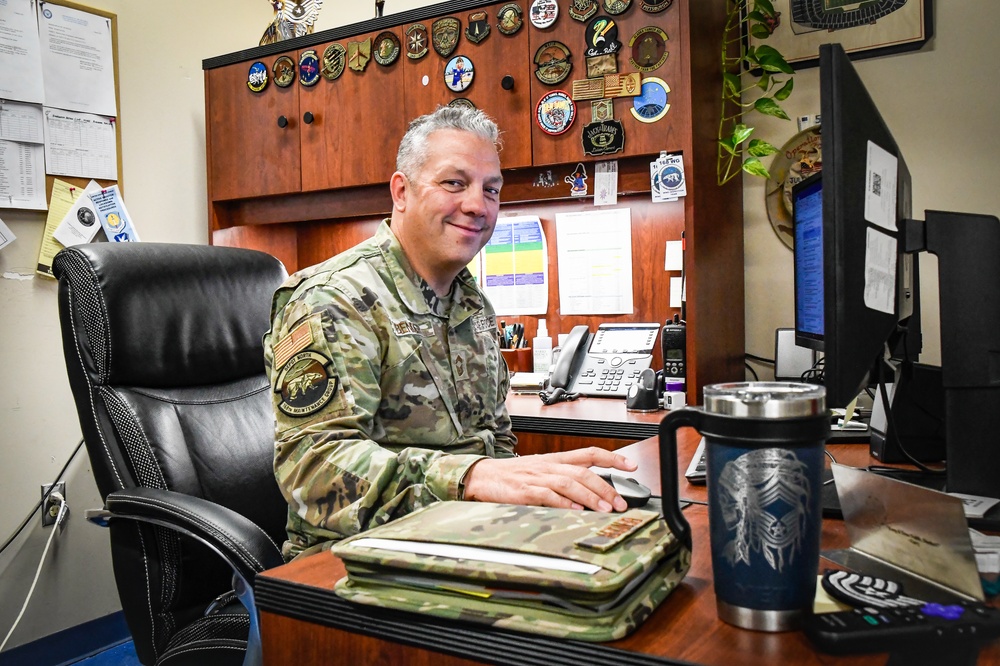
[{"x": 807, "y": 207}]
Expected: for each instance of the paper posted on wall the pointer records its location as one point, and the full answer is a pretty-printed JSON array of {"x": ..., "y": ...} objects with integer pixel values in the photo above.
[
  {"x": 80, "y": 224},
  {"x": 667, "y": 181},
  {"x": 115, "y": 220}
]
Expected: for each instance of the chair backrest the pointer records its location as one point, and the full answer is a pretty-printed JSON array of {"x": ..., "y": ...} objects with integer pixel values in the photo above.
[{"x": 164, "y": 352}]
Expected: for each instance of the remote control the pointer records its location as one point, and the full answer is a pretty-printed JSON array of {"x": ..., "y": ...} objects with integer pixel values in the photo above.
[{"x": 862, "y": 591}]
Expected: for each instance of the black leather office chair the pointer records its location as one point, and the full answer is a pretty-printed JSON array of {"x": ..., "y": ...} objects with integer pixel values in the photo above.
[{"x": 165, "y": 360}]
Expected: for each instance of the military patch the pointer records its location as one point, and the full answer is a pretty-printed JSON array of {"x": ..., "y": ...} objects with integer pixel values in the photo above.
[
  {"x": 386, "y": 48},
  {"x": 649, "y": 48},
  {"x": 602, "y": 109},
  {"x": 543, "y": 13},
  {"x": 298, "y": 339},
  {"x": 334, "y": 60},
  {"x": 603, "y": 138},
  {"x": 552, "y": 63},
  {"x": 405, "y": 328},
  {"x": 651, "y": 104},
  {"x": 458, "y": 73},
  {"x": 602, "y": 37},
  {"x": 416, "y": 41},
  {"x": 509, "y": 18},
  {"x": 588, "y": 89},
  {"x": 308, "y": 68},
  {"x": 284, "y": 71},
  {"x": 305, "y": 384},
  {"x": 358, "y": 54},
  {"x": 581, "y": 10},
  {"x": 444, "y": 35},
  {"x": 654, "y": 6},
  {"x": 463, "y": 102},
  {"x": 257, "y": 78},
  {"x": 616, "y": 7},
  {"x": 484, "y": 324},
  {"x": 601, "y": 65},
  {"x": 478, "y": 28},
  {"x": 622, "y": 85},
  {"x": 555, "y": 112}
]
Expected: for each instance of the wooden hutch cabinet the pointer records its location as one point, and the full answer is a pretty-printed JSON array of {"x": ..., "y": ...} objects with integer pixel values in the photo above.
[{"x": 301, "y": 171}]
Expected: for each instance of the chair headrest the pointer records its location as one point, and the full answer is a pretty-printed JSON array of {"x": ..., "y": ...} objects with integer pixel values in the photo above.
[{"x": 164, "y": 314}]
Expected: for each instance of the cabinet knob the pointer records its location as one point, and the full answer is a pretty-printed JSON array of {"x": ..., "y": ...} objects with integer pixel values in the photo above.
[
  {"x": 507, "y": 82},
  {"x": 282, "y": 121},
  {"x": 307, "y": 117}
]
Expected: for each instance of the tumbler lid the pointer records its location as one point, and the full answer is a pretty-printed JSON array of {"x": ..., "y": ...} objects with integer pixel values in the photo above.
[{"x": 766, "y": 400}]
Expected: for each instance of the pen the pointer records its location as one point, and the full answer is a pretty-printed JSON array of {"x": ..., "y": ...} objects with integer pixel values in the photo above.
[{"x": 502, "y": 334}]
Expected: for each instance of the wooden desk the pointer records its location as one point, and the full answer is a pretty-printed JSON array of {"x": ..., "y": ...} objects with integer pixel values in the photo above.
[{"x": 304, "y": 622}]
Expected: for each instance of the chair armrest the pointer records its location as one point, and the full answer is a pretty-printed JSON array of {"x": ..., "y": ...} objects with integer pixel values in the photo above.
[{"x": 239, "y": 541}]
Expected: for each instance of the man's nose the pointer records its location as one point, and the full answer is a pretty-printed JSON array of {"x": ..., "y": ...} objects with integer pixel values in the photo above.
[{"x": 474, "y": 202}]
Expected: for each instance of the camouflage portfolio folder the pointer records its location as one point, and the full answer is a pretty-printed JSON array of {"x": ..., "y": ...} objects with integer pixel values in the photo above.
[{"x": 579, "y": 574}]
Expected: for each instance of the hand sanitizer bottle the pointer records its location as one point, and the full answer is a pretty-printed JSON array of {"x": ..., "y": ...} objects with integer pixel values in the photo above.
[{"x": 541, "y": 347}]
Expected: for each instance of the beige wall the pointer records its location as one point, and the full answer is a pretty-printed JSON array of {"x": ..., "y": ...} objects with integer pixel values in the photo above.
[{"x": 938, "y": 103}]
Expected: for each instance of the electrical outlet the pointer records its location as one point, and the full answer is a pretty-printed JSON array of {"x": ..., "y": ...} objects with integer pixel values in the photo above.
[{"x": 50, "y": 507}]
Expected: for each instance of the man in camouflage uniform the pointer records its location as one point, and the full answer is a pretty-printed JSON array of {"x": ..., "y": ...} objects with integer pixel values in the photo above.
[{"x": 388, "y": 384}]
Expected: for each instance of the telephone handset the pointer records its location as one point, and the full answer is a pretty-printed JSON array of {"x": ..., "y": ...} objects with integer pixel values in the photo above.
[{"x": 571, "y": 356}]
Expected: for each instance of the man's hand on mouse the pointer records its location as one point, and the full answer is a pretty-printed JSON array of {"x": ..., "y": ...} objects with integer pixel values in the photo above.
[{"x": 560, "y": 480}]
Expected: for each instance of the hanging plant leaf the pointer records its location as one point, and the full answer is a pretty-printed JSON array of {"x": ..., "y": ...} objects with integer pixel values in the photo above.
[
  {"x": 754, "y": 167},
  {"x": 769, "y": 107}
]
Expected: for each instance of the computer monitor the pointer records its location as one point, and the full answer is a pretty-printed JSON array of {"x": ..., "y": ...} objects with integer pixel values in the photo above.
[{"x": 855, "y": 276}]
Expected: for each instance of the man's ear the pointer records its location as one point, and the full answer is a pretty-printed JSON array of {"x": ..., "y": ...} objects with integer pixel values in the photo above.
[{"x": 399, "y": 187}]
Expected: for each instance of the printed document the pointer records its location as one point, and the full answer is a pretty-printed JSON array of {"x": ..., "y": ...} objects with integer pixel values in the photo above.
[
  {"x": 78, "y": 65},
  {"x": 595, "y": 262}
]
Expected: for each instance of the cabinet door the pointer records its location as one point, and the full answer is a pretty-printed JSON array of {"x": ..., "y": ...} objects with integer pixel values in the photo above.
[
  {"x": 357, "y": 122},
  {"x": 641, "y": 138},
  {"x": 249, "y": 153},
  {"x": 492, "y": 59}
]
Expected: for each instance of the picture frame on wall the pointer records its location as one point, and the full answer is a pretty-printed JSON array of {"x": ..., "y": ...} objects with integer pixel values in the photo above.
[{"x": 865, "y": 29}]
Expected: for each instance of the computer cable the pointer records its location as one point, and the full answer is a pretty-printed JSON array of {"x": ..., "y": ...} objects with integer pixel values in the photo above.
[
  {"x": 554, "y": 395},
  {"x": 895, "y": 434}
]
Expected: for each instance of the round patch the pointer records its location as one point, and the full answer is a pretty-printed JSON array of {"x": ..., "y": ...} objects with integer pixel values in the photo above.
[
  {"x": 85, "y": 216},
  {"x": 308, "y": 68},
  {"x": 114, "y": 222},
  {"x": 284, "y": 71},
  {"x": 543, "y": 13},
  {"x": 257, "y": 78},
  {"x": 509, "y": 18},
  {"x": 416, "y": 41},
  {"x": 581, "y": 10},
  {"x": 649, "y": 48},
  {"x": 651, "y": 104},
  {"x": 654, "y": 6},
  {"x": 334, "y": 59},
  {"x": 602, "y": 37},
  {"x": 458, "y": 73},
  {"x": 462, "y": 102},
  {"x": 616, "y": 7},
  {"x": 555, "y": 112},
  {"x": 552, "y": 63},
  {"x": 305, "y": 384},
  {"x": 386, "y": 48}
]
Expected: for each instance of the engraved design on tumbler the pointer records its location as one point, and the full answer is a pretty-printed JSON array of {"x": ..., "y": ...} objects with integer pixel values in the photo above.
[{"x": 764, "y": 498}]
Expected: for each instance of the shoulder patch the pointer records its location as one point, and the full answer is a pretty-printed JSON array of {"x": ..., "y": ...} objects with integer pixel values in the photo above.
[
  {"x": 306, "y": 384},
  {"x": 298, "y": 339}
]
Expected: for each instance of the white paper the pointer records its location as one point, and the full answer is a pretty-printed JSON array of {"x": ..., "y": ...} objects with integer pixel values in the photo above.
[
  {"x": 676, "y": 292},
  {"x": 20, "y": 52},
  {"x": 77, "y": 60},
  {"x": 595, "y": 262},
  {"x": 880, "y": 271},
  {"x": 606, "y": 183},
  {"x": 115, "y": 220},
  {"x": 880, "y": 187},
  {"x": 80, "y": 144},
  {"x": 453, "y": 552},
  {"x": 6, "y": 235},
  {"x": 515, "y": 267},
  {"x": 81, "y": 223},
  {"x": 21, "y": 122},
  {"x": 22, "y": 175},
  {"x": 674, "y": 256},
  {"x": 976, "y": 506}
]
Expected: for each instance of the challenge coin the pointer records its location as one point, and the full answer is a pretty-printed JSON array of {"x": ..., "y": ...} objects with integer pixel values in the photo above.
[
  {"x": 386, "y": 48},
  {"x": 257, "y": 78},
  {"x": 334, "y": 60},
  {"x": 552, "y": 63},
  {"x": 284, "y": 71},
  {"x": 444, "y": 35},
  {"x": 555, "y": 112},
  {"x": 543, "y": 13},
  {"x": 509, "y": 18},
  {"x": 478, "y": 28},
  {"x": 649, "y": 48},
  {"x": 458, "y": 73},
  {"x": 602, "y": 37},
  {"x": 651, "y": 104},
  {"x": 308, "y": 68},
  {"x": 416, "y": 41}
]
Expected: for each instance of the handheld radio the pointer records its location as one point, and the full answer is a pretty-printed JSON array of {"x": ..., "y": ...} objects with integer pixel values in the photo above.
[{"x": 673, "y": 341}]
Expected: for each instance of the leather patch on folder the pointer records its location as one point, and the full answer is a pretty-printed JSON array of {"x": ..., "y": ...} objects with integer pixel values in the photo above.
[{"x": 608, "y": 536}]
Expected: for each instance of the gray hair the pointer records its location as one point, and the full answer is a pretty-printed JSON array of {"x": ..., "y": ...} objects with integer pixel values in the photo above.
[{"x": 413, "y": 147}]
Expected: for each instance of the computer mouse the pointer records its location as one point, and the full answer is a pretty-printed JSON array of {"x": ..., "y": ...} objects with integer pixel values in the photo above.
[{"x": 634, "y": 493}]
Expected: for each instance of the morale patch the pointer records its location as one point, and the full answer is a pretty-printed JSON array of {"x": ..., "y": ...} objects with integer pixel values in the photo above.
[
  {"x": 509, "y": 18},
  {"x": 284, "y": 71},
  {"x": 305, "y": 384},
  {"x": 649, "y": 48},
  {"x": 616, "y": 7},
  {"x": 405, "y": 328},
  {"x": 358, "y": 54},
  {"x": 458, "y": 73},
  {"x": 462, "y": 102},
  {"x": 308, "y": 68},
  {"x": 444, "y": 35},
  {"x": 257, "y": 78},
  {"x": 298, "y": 339},
  {"x": 552, "y": 63},
  {"x": 651, "y": 104},
  {"x": 416, "y": 41},
  {"x": 334, "y": 59},
  {"x": 654, "y": 6},
  {"x": 588, "y": 89},
  {"x": 622, "y": 85},
  {"x": 602, "y": 109},
  {"x": 555, "y": 112},
  {"x": 603, "y": 138},
  {"x": 484, "y": 323},
  {"x": 386, "y": 48},
  {"x": 600, "y": 65},
  {"x": 543, "y": 13},
  {"x": 478, "y": 28},
  {"x": 581, "y": 10},
  {"x": 602, "y": 37}
]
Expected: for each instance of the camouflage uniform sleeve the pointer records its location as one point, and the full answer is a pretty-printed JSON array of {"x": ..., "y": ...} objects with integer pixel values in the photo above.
[
  {"x": 506, "y": 441},
  {"x": 336, "y": 477}
]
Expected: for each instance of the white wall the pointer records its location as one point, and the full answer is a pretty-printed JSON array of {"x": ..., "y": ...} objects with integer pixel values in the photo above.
[{"x": 938, "y": 103}]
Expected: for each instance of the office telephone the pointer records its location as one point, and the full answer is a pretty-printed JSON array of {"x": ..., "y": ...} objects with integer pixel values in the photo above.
[{"x": 605, "y": 363}]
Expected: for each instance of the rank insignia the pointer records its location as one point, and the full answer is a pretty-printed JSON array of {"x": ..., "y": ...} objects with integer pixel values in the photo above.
[
  {"x": 601, "y": 65},
  {"x": 257, "y": 78},
  {"x": 552, "y": 63},
  {"x": 622, "y": 85},
  {"x": 306, "y": 384},
  {"x": 509, "y": 18},
  {"x": 543, "y": 13},
  {"x": 603, "y": 138},
  {"x": 462, "y": 102},
  {"x": 458, "y": 73},
  {"x": 602, "y": 37},
  {"x": 555, "y": 112},
  {"x": 602, "y": 109},
  {"x": 284, "y": 71},
  {"x": 308, "y": 68},
  {"x": 358, "y": 54},
  {"x": 416, "y": 41},
  {"x": 334, "y": 60},
  {"x": 649, "y": 48},
  {"x": 386, "y": 48},
  {"x": 654, "y": 6},
  {"x": 444, "y": 35},
  {"x": 478, "y": 28},
  {"x": 588, "y": 88},
  {"x": 581, "y": 10},
  {"x": 616, "y": 7},
  {"x": 651, "y": 104}
]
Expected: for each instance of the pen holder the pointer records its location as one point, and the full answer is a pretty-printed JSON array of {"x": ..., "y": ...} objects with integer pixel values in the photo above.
[{"x": 518, "y": 360}]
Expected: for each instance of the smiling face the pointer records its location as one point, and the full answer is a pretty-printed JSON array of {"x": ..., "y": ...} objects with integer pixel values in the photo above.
[{"x": 445, "y": 212}]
